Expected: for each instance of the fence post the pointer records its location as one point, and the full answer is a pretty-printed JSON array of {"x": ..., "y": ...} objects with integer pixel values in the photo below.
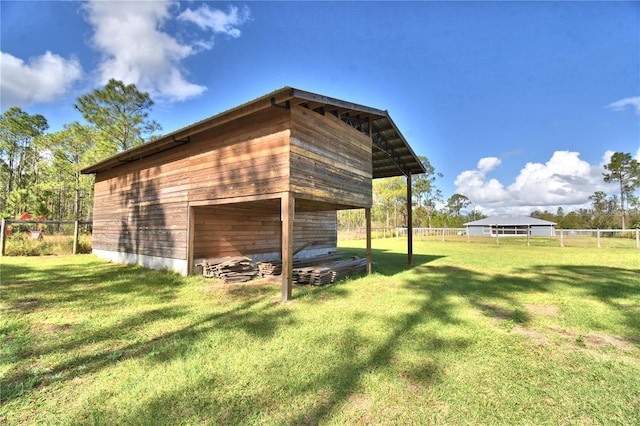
[
  {"x": 3, "y": 231},
  {"x": 76, "y": 236},
  {"x": 443, "y": 235},
  {"x": 561, "y": 239},
  {"x": 638, "y": 238},
  {"x": 598, "y": 237},
  {"x": 528, "y": 235}
]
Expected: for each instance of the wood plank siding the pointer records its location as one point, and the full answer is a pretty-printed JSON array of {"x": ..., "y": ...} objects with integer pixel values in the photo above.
[
  {"x": 234, "y": 230},
  {"x": 330, "y": 160},
  {"x": 246, "y": 157},
  {"x": 142, "y": 206}
]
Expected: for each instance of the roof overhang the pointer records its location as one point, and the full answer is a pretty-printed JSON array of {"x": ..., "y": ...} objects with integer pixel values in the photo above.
[{"x": 391, "y": 153}]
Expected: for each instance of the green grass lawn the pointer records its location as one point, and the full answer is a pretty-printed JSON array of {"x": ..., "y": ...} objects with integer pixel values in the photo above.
[{"x": 471, "y": 334}]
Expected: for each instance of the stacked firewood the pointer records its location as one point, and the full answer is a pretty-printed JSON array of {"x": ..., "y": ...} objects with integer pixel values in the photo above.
[{"x": 231, "y": 269}]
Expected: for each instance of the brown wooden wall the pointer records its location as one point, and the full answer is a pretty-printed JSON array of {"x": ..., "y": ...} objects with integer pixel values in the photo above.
[
  {"x": 141, "y": 207},
  {"x": 142, "y": 212},
  {"x": 248, "y": 157},
  {"x": 235, "y": 230},
  {"x": 330, "y": 160}
]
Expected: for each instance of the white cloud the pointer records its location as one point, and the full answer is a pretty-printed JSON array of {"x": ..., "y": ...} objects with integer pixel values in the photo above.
[
  {"x": 565, "y": 180},
  {"x": 42, "y": 79},
  {"x": 488, "y": 163},
  {"x": 216, "y": 20},
  {"x": 633, "y": 102},
  {"x": 474, "y": 183},
  {"x": 136, "y": 50}
]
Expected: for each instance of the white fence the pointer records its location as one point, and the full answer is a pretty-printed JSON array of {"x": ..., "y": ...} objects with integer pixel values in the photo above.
[{"x": 601, "y": 238}]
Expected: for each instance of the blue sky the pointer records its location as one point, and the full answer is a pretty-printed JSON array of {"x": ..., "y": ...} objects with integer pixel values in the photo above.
[{"x": 518, "y": 104}]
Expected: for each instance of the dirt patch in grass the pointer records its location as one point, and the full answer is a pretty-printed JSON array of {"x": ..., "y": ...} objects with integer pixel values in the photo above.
[
  {"x": 359, "y": 408},
  {"x": 548, "y": 310},
  {"x": 507, "y": 321},
  {"x": 54, "y": 328},
  {"x": 570, "y": 338},
  {"x": 596, "y": 339},
  {"x": 535, "y": 335}
]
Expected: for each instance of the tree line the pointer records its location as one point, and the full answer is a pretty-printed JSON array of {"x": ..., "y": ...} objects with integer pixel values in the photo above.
[
  {"x": 431, "y": 210},
  {"x": 40, "y": 171}
]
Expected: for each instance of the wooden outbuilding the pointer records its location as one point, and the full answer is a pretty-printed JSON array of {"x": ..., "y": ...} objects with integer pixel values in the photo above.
[
  {"x": 260, "y": 180},
  {"x": 511, "y": 225}
]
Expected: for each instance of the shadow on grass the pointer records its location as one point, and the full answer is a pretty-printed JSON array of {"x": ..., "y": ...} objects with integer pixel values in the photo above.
[
  {"x": 388, "y": 263},
  {"x": 30, "y": 293},
  {"x": 437, "y": 292},
  {"x": 104, "y": 281},
  {"x": 617, "y": 287}
]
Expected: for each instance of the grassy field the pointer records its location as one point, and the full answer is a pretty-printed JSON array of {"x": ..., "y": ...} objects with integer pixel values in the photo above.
[{"x": 471, "y": 334}]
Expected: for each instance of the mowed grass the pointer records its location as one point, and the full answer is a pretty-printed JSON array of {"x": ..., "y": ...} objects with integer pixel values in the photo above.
[{"x": 471, "y": 334}]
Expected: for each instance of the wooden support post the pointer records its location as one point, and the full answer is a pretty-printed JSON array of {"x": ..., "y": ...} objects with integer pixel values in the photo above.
[
  {"x": 287, "y": 209},
  {"x": 528, "y": 235},
  {"x": 367, "y": 215},
  {"x": 638, "y": 238},
  {"x": 191, "y": 234},
  {"x": 409, "y": 221},
  {"x": 3, "y": 237},
  {"x": 598, "y": 237},
  {"x": 561, "y": 238},
  {"x": 76, "y": 236}
]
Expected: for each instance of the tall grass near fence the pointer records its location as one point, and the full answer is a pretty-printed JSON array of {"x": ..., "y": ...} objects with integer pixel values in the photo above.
[
  {"x": 25, "y": 245},
  {"x": 470, "y": 334},
  {"x": 43, "y": 238}
]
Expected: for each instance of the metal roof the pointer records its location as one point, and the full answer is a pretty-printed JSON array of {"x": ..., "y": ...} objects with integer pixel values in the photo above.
[
  {"x": 510, "y": 220},
  {"x": 392, "y": 155}
]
